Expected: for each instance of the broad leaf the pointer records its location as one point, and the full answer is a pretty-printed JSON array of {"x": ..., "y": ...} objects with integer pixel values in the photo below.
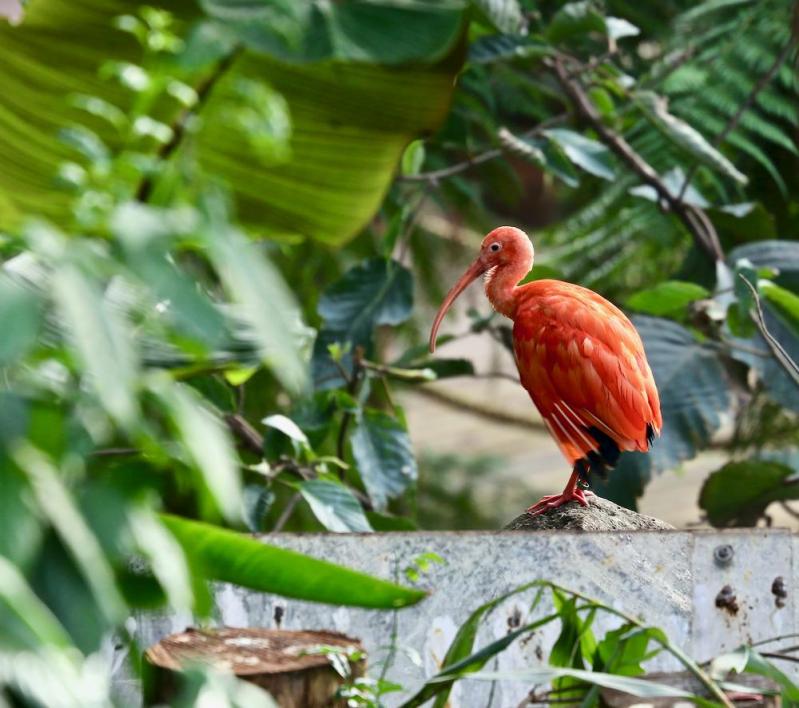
[
  {"x": 502, "y": 47},
  {"x": 207, "y": 442},
  {"x": 781, "y": 256},
  {"x": 334, "y": 505},
  {"x": 380, "y": 31},
  {"x": 101, "y": 339},
  {"x": 668, "y": 298},
  {"x": 57, "y": 504},
  {"x": 235, "y": 558},
  {"x": 587, "y": 154},
  {"x": 340, "y": 158},
  {"x": 694, "y": 396},
  {"x": 739, "y": 492},
  {"x": 756, "y": 353},
  {"x": 376, "y": 292},
  {"x": 384, "y": 455},
  {"x": 266, "y": 303}
]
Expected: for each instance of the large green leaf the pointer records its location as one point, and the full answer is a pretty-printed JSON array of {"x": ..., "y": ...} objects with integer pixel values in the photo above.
[
  {"x": 376, "y": 292},
  {"x": 340, "y": 158},
  {"x": 383, "y": 451},
  {"x": 235, "y": 558},
  {"x": 739, "y": 492},
  {"x": 380, "y": 31},
  {"x": 668, "y": 298}
]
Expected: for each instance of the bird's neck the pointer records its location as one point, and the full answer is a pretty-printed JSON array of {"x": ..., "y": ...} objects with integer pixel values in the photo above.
[{"x": 501, "y": 286}]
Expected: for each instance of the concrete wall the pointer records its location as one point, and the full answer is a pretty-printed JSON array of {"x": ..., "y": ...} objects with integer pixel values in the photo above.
[{"x": 669, "y": 579}]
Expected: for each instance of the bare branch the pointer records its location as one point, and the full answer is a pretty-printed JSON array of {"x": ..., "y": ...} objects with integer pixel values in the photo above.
[{"x": 693, "y": 218}]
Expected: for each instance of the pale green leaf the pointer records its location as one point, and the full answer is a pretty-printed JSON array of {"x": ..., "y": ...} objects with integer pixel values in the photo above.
[{"x": 335, "y": 506}]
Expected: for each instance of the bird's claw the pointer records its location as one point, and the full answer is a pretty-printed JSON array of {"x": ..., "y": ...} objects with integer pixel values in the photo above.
[{"x": 553, "y": 501}]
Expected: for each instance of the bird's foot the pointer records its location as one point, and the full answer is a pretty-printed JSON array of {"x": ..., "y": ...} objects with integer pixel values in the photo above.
[{"x": 553, "y": 501}]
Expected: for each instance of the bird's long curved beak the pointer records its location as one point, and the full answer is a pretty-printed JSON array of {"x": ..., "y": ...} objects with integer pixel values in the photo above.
[{"x": 474, "y": 271}]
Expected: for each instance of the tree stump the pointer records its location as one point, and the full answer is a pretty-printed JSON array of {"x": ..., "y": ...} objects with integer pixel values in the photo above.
[
  {"x": 295, "y": 667},
  {"x": 599, "y": 515}
]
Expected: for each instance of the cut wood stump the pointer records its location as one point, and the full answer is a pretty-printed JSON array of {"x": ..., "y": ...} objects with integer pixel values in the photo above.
[
  {"x": 599, "y": 515},
  {"x": 294, "y": 667}
]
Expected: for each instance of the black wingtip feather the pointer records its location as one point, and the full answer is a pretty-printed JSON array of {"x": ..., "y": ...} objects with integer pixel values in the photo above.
[{"x": 650, "y": 434}]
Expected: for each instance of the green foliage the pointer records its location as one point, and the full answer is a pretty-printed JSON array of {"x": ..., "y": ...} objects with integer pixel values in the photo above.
[
  {"x": 739, "y": 492},
  {"x": 176, "y": 186}
]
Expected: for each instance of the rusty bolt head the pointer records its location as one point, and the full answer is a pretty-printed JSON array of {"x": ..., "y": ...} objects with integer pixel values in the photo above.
[
  {"x": 726, "y": 600},
  {"x": 779, "y": 591},
  {"x": 723, "y": 554}
]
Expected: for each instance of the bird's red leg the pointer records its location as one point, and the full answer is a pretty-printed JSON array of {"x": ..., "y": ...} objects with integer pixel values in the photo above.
[{"x": 571, "y": 493}]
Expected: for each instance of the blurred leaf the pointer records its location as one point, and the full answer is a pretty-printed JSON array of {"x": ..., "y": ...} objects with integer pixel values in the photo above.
[
  {"x": 17, "y": 597},
  {"x": 505, "y": 15},
  {"x": 782, "y": 256},
  {"x": 548, "y": 155},
  {"x": 146, "y": 233},
  {"x": 618, "y": 28},
  {"x": 386, "y": 522},
  {"x": 56, "y": 503},
  {"x": 340, "y": 158},
  {"x": 335, "y": 506},
  {"x": 499, "y": 47},
  {"x": 165, "y": 557},
  {"x": 587, "y": 154},
  {"x": 413, "y": 158},
  {"x": 380, "y": 31},
  {"x": 286, "y": 426},
  {"x": 685, "y": 136},
  {"x": 747, "y": 660},
  {"x": 207, "y": 443},
  {"x": 384, "y": 455},
  {"x": 574, "y": 19},
  {"x": 668, "y": 298},
  {"x": 376, "y": 292},
  {"x": 266, "y": 302},
  {"x": 784, "y": 300},
  {"x": 234, "y": 558},
  {"x": 739, "y": 492},
  {"x": 101, "y": 338},
  {"x": 447, "y": 368},
  {"x": 779, "y": 385},
  {"x": 20, "y": 320}
]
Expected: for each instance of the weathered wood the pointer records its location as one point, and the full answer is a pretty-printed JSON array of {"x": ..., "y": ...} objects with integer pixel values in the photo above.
[
  {"x": 599, "y": 515},
  {"x": 293, "y": 667}
]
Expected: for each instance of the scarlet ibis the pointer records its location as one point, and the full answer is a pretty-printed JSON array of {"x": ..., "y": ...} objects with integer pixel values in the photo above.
[{"x": 579, "y": 357}]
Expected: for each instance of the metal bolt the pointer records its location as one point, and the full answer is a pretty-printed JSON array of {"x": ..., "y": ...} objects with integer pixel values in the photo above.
[
  {"x": 723, "y": 554},
  {"x": 779, "y": 591}
]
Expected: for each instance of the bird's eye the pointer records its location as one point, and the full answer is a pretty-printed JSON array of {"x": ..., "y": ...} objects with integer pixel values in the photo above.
[{"x": 495, "y": 247}]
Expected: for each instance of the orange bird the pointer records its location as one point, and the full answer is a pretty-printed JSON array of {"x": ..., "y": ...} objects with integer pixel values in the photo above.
[{"x": 579, "y": 357}]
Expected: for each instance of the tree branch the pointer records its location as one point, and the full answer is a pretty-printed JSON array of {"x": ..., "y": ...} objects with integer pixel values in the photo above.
[
  {"x": 693, "y": 218},
  {"x": 435, "y": 175}
]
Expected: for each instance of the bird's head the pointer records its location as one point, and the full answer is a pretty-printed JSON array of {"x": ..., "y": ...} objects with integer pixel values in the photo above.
[{"x": 505, "y": 246}]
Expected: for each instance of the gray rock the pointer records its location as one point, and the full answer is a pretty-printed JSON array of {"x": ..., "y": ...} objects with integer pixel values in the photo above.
[{"x": 599, "y": 515}]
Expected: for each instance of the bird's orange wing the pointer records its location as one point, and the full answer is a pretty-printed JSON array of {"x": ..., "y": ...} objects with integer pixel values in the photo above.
[{"x": 583, "y": 364}]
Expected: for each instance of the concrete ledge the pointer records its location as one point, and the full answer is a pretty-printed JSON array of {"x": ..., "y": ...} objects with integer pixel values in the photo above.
[{"x": 668, "y": 578}]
